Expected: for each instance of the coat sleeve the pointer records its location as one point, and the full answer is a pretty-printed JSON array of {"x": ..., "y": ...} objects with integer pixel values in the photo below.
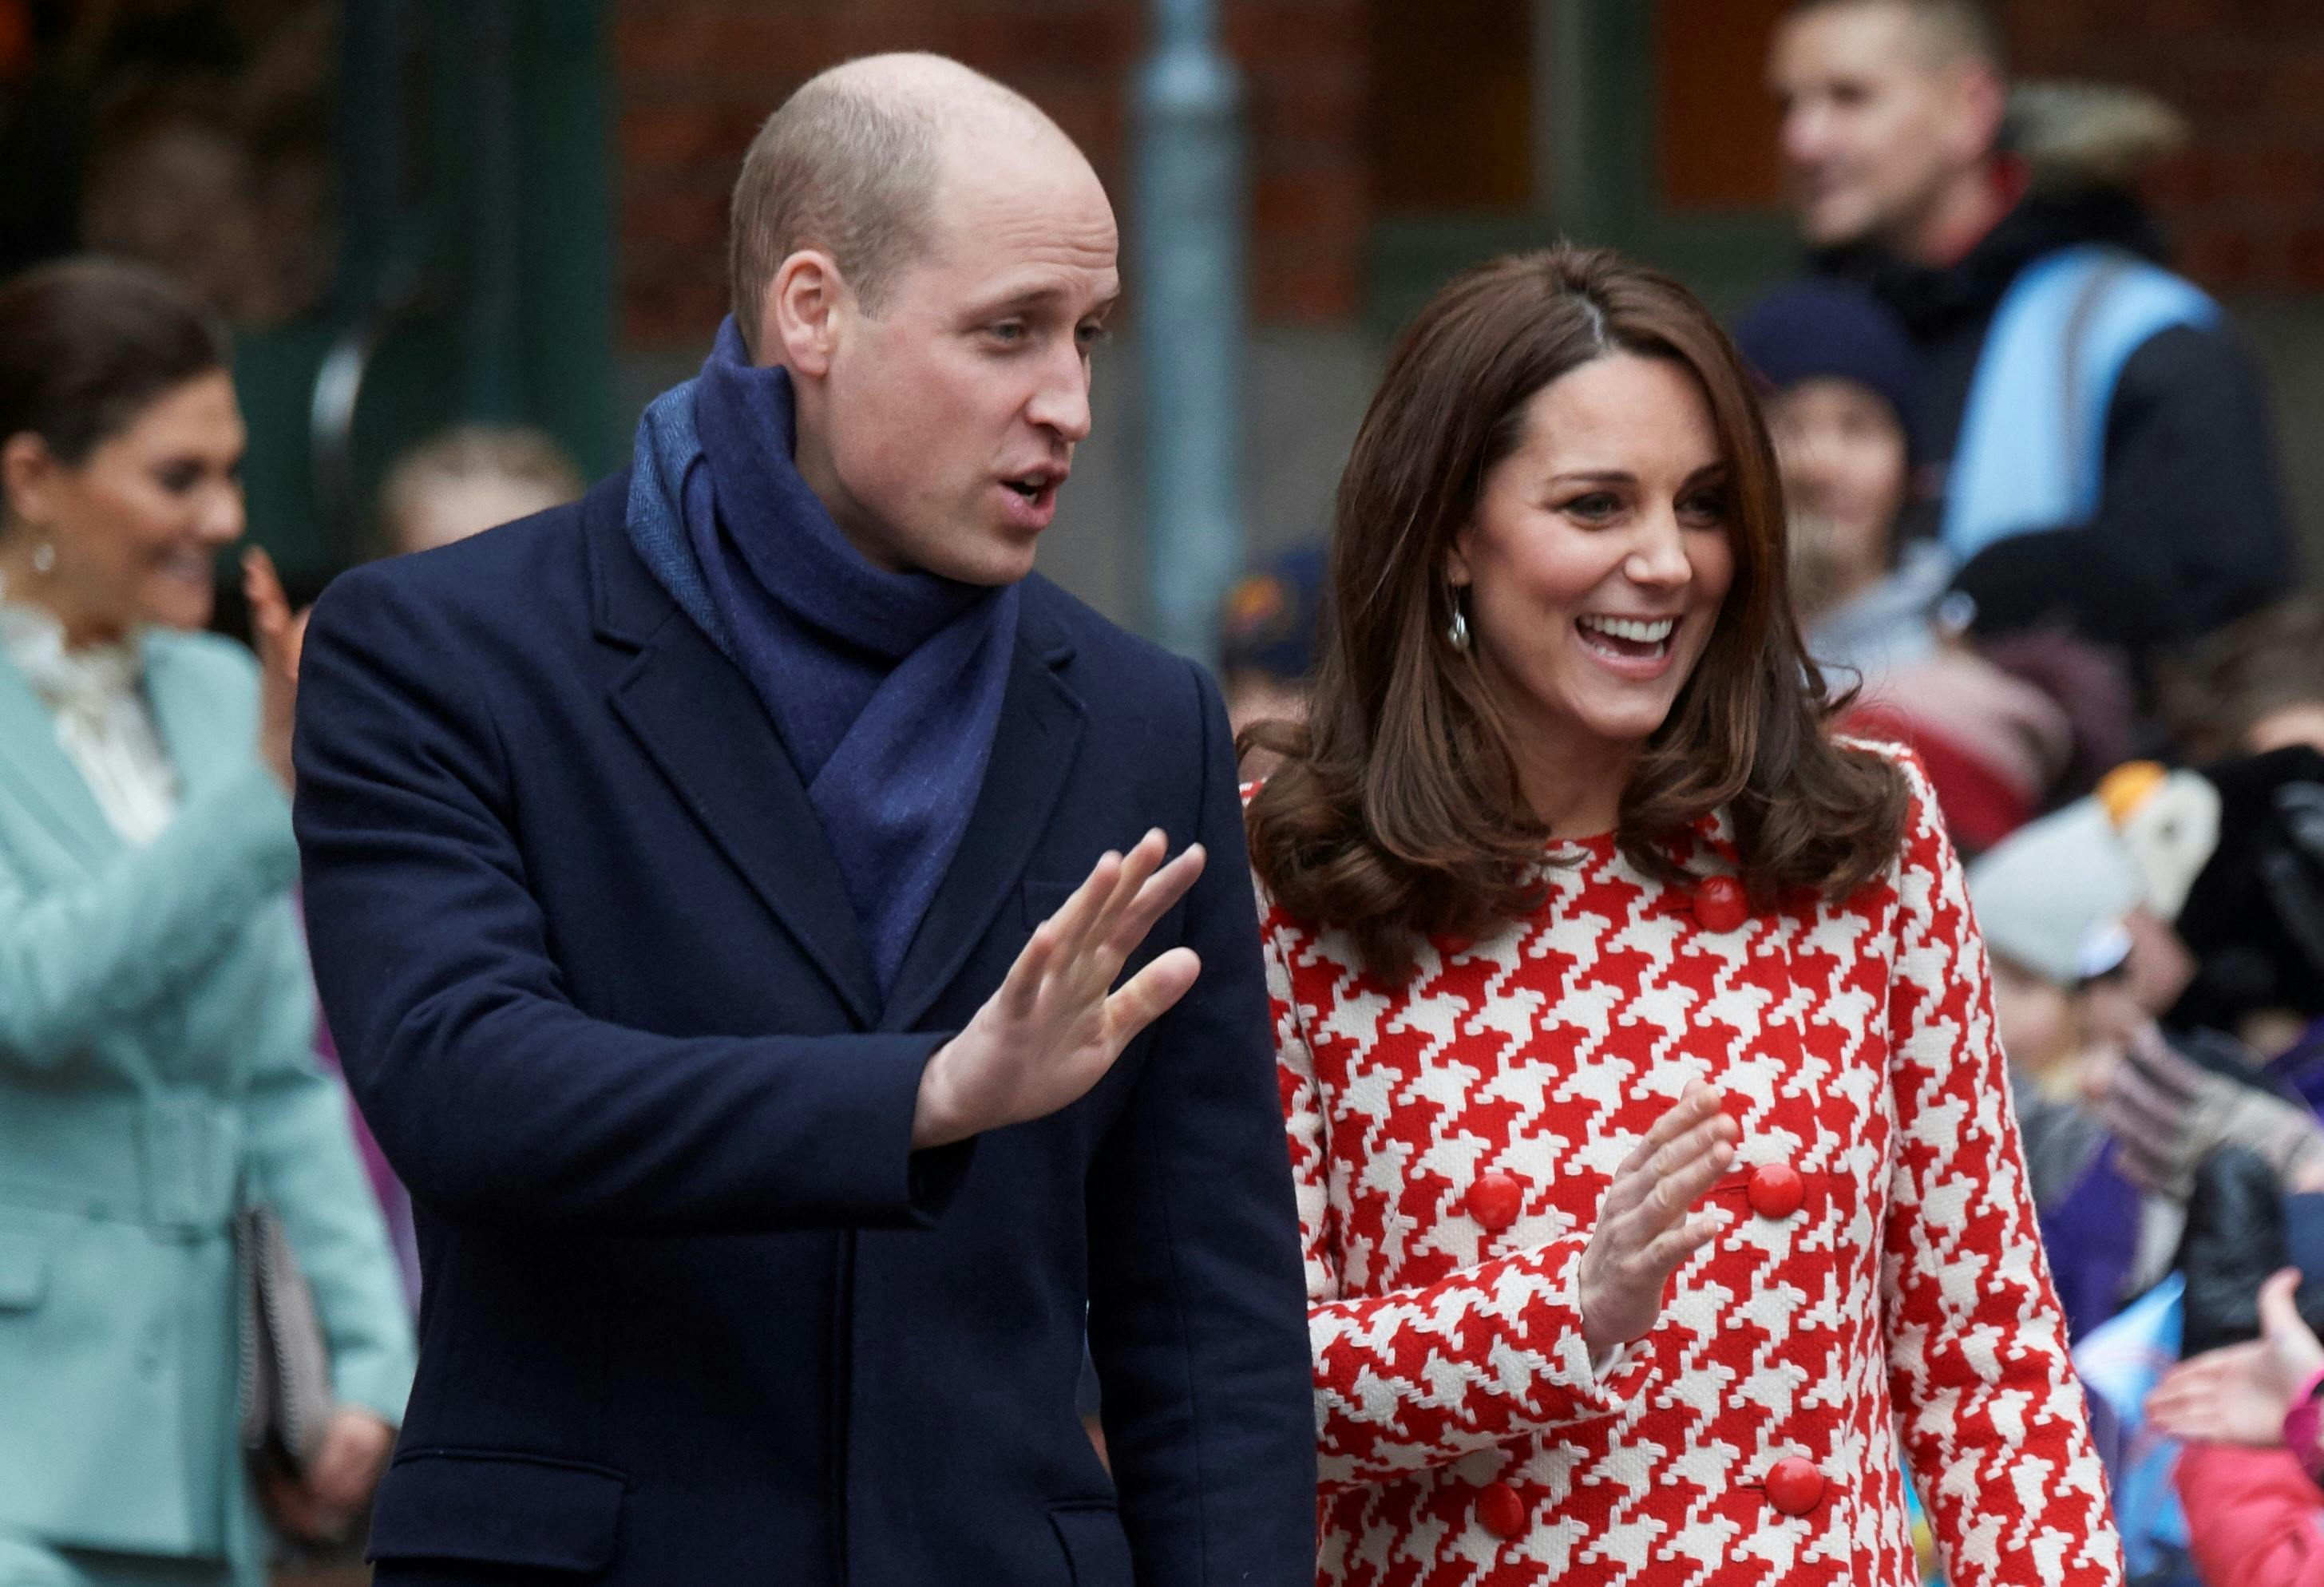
[
  {"x": 2253, "y": 1519},
  {"x": 1405, "y": 1379},
  {"x": 1990, "y": 1412},
  {"x": 2190, "y": 529},
  {"x": 497, "y": 1099},
  {"x": 303, "y": 1147},
  {"x": 76, "y": 959},
  {"x": 1196, "y": 1323}
]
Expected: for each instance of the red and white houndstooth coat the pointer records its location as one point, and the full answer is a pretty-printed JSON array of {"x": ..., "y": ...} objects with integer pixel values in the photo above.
[{"x": 1881, "y": 1275}]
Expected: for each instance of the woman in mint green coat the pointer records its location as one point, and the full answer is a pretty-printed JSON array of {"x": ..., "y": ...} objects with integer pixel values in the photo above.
[{"x": 156, "y": 1020}]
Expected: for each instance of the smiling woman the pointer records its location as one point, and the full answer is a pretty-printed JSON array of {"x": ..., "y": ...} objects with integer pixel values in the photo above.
[
  {"x": 1564, "y": 448},
  {"x": 1661, "y": 1201},
  {"x": 157, "y": 1074}
]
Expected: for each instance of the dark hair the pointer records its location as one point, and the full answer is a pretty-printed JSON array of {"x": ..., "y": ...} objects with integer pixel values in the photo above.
[
  {"x": 2216, "y": 689},
  {"x": 1398, "y": 809},
  {"x": 86, "y": 343}
]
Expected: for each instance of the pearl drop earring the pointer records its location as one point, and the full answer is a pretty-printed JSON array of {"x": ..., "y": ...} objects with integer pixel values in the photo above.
[{"x": 44, "y": 557}]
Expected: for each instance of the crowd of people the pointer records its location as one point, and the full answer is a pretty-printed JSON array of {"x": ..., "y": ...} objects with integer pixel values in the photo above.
[{"x": 1758, "y": 1016}]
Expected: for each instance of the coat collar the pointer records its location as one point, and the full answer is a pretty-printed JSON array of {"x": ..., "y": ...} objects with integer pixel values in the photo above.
[
  {"x": 207, "y": 746},
  {"x": 708, "y": 732}
]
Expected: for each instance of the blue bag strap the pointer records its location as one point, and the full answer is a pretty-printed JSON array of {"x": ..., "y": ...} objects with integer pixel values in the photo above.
[{"x": 2031, "y": 450}]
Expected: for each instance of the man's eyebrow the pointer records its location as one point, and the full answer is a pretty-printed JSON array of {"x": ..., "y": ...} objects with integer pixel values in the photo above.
[{"x": 1032, "y": 298}]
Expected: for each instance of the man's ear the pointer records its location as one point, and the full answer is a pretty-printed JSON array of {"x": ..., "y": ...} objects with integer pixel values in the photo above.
[
  {"x": 1984, "y": 103},
  {"x": 806, "y": 301},
  {"x": 28, "y": 477}
]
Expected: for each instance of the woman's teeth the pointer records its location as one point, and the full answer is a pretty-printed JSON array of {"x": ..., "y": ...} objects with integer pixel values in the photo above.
[{"x": 1630, "y": 629}]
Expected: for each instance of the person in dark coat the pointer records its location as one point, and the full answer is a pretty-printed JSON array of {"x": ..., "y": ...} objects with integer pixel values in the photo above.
[
  {"x": 716, "y": 889},
  {"x": 2102, "y": 439}
]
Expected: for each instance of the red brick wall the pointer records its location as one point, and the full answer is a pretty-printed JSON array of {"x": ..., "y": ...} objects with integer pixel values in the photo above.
[
  {"x": 696, "y": 77},
  {"x": 2246, "y": 202}
]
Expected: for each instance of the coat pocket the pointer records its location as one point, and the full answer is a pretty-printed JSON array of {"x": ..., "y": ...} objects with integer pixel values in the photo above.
[
  {"x": 23, "y": 1271},
  {"x": 497, "y": 1507},
  {"x": 1096, "y": 1548}
]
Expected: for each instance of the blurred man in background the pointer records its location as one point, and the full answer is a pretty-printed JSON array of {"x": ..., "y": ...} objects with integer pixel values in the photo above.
[{"x": 2101, "y": 438}]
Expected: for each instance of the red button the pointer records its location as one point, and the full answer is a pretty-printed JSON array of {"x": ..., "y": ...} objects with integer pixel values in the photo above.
[
  {"x": 1499, "y": 1510},
  {"x": 1494, "y": 1201},
  {"x": 1794, "y": 1487},
  {"x": 1720, "y": 904},
  {"x": 1775, "y": 1190}
]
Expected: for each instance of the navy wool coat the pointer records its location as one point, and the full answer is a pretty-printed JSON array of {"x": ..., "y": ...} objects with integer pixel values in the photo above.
[{"x": 695, "y": 1311}]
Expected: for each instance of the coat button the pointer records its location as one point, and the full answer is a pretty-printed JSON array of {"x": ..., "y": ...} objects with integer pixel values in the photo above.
[
  {"x": 1499, "y": 1510},
  {"x": 1494, "y": 1201},
  {"x": 1775, "y": 1190},
  {"x": 1720, "y": 904},
  {"x": 1794, "y": 1486}
]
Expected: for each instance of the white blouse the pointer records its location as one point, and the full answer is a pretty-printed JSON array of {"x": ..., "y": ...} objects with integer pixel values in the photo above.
[{"x": 104, "y": 724}]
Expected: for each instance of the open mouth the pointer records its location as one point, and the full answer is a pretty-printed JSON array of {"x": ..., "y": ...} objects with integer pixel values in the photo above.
[
  {"x": 1629, "y": 638},
  {"x": 1035, "y": 496}
]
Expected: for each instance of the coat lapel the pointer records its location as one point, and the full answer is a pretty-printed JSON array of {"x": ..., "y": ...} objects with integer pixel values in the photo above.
[
  {"x": 208, "y": 741},
  {"x": 1032, "y": 752},
  {"x": 698, "y": 721},
  {"x": 37, "y": 769}
]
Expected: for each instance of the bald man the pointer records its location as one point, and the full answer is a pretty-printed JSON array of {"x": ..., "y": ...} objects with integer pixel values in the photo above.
[{"x": 770, "y": 930}]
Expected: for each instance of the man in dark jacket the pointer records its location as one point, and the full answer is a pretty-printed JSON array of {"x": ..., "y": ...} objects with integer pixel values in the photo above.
[
  {"x": 700, "y": 881},
  {"x": 2102, "y": 441}
]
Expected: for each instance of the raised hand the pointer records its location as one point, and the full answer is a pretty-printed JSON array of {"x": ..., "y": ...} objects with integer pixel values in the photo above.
[
  {"x": 279, "y": 634},
  {"x": 1647, "y": 1225},
  {"x": 2239, "y": 1395},
  {"x": 1054, "y": 1029}
]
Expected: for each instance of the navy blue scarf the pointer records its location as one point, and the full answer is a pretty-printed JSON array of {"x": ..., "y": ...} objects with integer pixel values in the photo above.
[{"x": 886, "y": 688}]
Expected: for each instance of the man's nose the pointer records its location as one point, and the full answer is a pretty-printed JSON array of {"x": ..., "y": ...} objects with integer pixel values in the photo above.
[
  {"x": 1805, "y": 133},
  {"x": 1062, "y": 402}
]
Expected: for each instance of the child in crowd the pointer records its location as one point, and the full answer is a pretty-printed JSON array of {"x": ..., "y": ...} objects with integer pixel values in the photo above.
[
  {"x": 1998, "y": 738},
  {"x": 469, "y": 479},
  {"x": 2255, "y": 686},
  {"x": 2116, "y": 1111},
  {"x": 1267, "y": 638}
]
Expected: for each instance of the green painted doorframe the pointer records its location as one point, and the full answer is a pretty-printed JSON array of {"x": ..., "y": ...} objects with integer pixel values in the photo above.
[{"x": 476, "y": 281}]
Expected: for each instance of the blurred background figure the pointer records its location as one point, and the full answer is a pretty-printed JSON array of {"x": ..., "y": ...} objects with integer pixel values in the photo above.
[
  {"x": 2006, "y": 728},
  {"x": 2103, "y": 438},
  {"x": 472, "y": 479},
  {"x": 2118, "y": 1107},
  {"x": 1843, "y": 392},
  {"x": 2256, "y": 685},
  {"x": 1269, "y": 626},
  {"x": 157, "y": 1075}
]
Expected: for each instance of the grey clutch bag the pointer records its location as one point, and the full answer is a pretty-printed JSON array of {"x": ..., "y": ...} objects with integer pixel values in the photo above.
[{"x": 286, "y": 1362}]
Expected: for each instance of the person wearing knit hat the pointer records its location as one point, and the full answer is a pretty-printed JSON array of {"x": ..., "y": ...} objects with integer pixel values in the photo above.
[
  {"x": 1843, "y": 384},
  {"x": 1267, "y": 624}
]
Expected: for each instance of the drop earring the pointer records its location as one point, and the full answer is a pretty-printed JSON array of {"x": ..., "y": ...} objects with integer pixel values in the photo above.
[
  {"x": 1456, "y": 632},
  {"x": 44, "y": 557}
]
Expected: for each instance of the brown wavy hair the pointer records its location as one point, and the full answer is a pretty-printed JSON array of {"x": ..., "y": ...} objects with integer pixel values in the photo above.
[{"x": 1396, "y": 811}]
